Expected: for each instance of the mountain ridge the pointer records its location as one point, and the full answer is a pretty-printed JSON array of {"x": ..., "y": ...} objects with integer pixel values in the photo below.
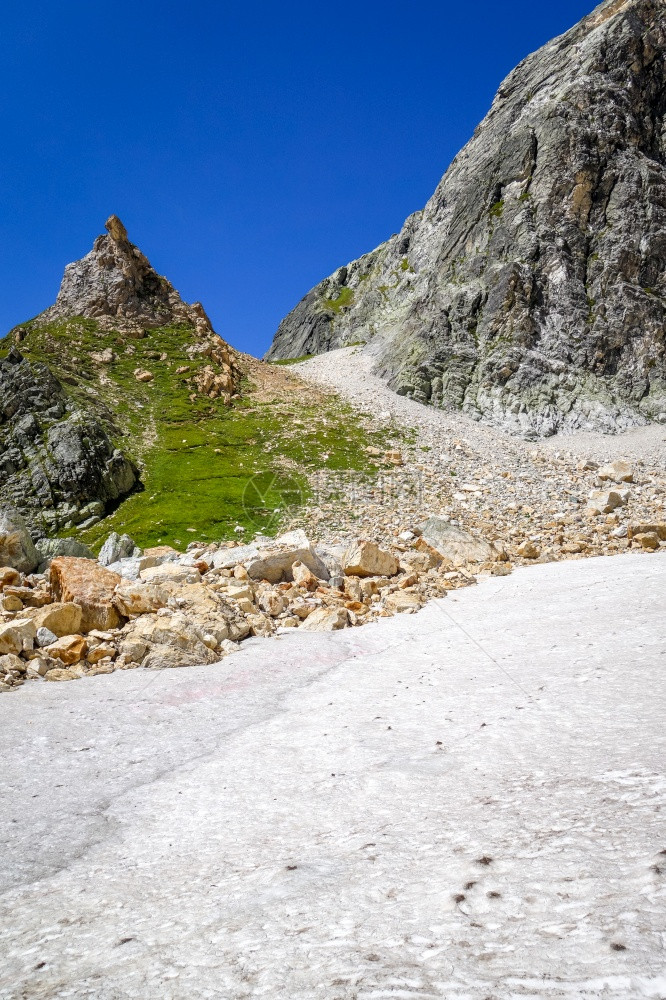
[{"x": 528, "y": 292}]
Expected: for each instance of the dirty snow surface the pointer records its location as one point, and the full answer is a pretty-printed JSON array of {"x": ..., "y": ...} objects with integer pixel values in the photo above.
[{"x": 463, "y": 803}]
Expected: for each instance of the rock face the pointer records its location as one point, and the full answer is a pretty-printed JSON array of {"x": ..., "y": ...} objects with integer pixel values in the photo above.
[
  {"x": 530, "y": 292},
  {"x": 116, "y": 285},
  {"x": 57, "y": 464}
]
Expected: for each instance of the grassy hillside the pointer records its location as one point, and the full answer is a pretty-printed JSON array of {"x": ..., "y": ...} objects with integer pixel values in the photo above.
[{"x": 206, "y": 469}]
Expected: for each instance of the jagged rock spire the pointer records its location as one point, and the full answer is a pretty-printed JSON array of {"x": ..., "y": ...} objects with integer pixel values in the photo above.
[
  {"x": 116, "y": 285},
  {"x": 115, "y": 229}
]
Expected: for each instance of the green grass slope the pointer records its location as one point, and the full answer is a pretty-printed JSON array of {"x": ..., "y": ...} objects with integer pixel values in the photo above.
[{"x": 206, "y": 469}]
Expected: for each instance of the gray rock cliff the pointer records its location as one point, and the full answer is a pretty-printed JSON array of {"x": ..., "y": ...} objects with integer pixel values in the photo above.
[
  {"x": 530, "y": 292},
  {"x": 57, "y": 464}
]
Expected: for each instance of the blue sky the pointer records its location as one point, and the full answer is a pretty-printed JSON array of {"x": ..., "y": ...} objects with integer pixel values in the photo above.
[{"x": 250, "y": 149}]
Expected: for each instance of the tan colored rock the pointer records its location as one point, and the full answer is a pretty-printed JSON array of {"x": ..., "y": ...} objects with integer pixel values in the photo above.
[
  {"x": 11, "y": 663},
  {"x": 164, "y": 641},
  {"x": 272, "y": 602},
  {"x": 9, "y": 577},
  {"x": 59, "y": 618},
  {"x": 142, "y": 375},
  {"x": 61, "y": 674},
  {"x": 658, "y": 527},
  {"x": 304, "y": 577},
  {"x": 372, "y": 585},
  {"x": 40, "y": 666},
  {"x": 11, "y": 604},
  {"x": 646, "y": 539},
  {"x": 68, "y": 648},
  {"x": 132, "y": 599},
  {"x": 101, "y": 667},
  {"x": 17, "y": 635},
  {"x": 325, "y": 620},
  {"x": 29, "y": 596},
  {"x": 102, "y": 652},
  {"x": 617, "y": 472},
  {"x": 422, "y": 558},
  {"x": 402, "y": 602},
  {"x": 260, "y": 624},
  {"x": 365, "y": 558},
  {"x": 89, "y": 585},
  {"x": 528, "y": 550},
  {"x": 605, "y": 501},
  {"x": 156, "y": 555},
  {"x": 301, "y": 608},
  {"x": 394, "y": 457}
]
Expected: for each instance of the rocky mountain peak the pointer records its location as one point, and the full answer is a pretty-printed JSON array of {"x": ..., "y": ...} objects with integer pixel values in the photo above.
[
  {"x": 116, "y": 285},
  {"x": 530, "y": 291}
]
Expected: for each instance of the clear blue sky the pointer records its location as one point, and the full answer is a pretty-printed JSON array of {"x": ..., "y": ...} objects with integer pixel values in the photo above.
[{"x": 249, "y": 148}]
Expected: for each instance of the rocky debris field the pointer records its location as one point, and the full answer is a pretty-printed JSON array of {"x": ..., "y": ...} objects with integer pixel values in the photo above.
[
  {"x": 65, "y": 614},
  {"x": 561, "y": 498}
]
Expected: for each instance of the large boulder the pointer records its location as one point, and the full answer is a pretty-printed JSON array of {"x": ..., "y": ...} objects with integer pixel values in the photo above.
[
  {"x": 454, "y": 543},
  {"x": 325, "y": 620},
  {"x": 90, "y": 586},
  {"x": 17, "y": 636},
  {"x": 17, "y": 549},
  {"x": 275, "y": 558},
  {"x": 365, "y": 558},
  {"x": 59, "y": 618}
]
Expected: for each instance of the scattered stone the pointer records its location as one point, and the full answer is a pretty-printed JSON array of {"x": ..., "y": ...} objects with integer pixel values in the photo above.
[
  {"x": 9, "y": 577},
  {"x": 45, "y": 637},
  {"x": 401, "y": 602},
  {"x": 69, "y": 648},
  {"x": 454, "y": 543},
  {"x": 646, "y": 539},
  {"x": 631, "y": 530},
  {"x": 132, "y": 599},
  {"x": 169, "y": 572},
  {"x": 11, "y": 603},
  {"x": 528, "y": 550},
  {"x": 115, "y": 548},
  {"x": 617, "y": 472},
  {"x": 303, "y": 577},
  {"x": 325, "y": 620},
  {"x": 60, "y": 674},
  {"x": 605, "y": 501},
  {"x": 17, "y": 636}
]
